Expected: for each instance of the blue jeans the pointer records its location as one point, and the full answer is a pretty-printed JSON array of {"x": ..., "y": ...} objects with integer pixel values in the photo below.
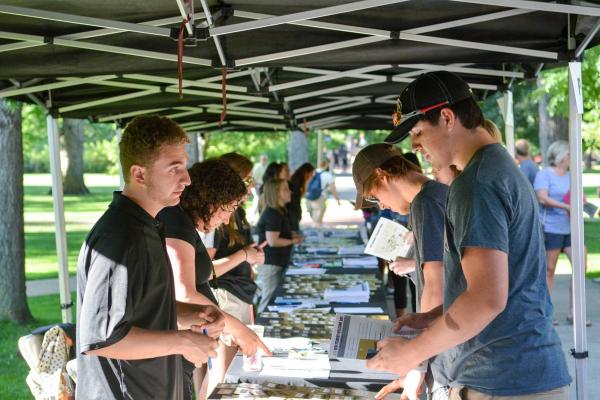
[{"x": 268, "y": 279}]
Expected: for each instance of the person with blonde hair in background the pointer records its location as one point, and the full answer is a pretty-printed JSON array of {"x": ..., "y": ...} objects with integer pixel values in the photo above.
[
  {"x": 275, "y": 228},
  {"x": 493, "y": 130}
]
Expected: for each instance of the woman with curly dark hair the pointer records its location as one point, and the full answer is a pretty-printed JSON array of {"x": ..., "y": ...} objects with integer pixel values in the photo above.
[
  {"x": 298, "y": 185},
  {"x": 236, "y": 254},
  {"x": 210, "y": 200}
]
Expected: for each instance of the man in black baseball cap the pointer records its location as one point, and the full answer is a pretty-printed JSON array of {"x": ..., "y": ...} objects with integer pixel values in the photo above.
[
  {"x": 428, "y": 92},
  {"x": 495, "y": 333}
]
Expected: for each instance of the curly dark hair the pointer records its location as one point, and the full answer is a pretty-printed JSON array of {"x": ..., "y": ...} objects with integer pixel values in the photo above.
[
  {"x": 214, "y": 184},
  {"x": 143, "y": 138}
]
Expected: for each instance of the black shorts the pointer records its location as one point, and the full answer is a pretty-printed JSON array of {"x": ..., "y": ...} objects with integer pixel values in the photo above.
[{"x": 556, "y": 241}]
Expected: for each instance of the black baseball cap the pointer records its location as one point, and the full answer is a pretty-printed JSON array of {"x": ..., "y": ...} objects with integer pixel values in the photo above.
[{"x": 429, "y": 91}]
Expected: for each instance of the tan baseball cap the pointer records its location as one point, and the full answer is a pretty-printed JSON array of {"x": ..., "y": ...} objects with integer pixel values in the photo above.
[{"x": 365, "y": 163}]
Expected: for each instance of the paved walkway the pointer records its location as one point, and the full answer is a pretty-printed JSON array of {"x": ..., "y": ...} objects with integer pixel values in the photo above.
[{"x": 345, "y": 214}]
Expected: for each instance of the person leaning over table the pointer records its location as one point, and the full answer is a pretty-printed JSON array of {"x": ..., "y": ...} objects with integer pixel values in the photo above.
[
  {"x": 236, "y": 254},
  {"x": 128, "y": 342},
  {"x": 274, "y": 227},
  {"x": 384, "y": 176},
  {"x": 495, "y": 332},
  {"x": 209, "y": 201}
]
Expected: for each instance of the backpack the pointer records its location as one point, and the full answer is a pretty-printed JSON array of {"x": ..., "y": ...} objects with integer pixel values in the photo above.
[{"x": 314, "y": 190}]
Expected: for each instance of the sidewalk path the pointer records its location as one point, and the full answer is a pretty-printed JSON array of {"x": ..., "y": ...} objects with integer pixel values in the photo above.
[{"x": 42, "y": 287}]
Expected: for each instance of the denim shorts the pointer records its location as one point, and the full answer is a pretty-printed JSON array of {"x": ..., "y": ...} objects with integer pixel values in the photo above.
[{"x": 556, "y": 241}]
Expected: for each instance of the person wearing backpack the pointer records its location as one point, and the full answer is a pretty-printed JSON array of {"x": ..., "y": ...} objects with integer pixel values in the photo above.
[{"x": 317, "y": 192}]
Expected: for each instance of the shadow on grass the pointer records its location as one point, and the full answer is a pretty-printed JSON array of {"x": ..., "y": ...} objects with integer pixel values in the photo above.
[{"x": 41, "y": 261}]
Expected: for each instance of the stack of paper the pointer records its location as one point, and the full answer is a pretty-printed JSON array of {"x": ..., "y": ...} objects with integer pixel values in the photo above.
[
  {"x": 360, "y": 262},
  {"x": 352, "y": 250},
  {"x": 322, "y": 249},
  {"x": 355, "y": 294},
  {"x": 278, "y": 345},
  {"x": 305, "y": 271}
]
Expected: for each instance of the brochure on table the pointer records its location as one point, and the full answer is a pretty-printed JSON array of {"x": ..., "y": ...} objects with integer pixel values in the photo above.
[{"x": 354, "y": 338}]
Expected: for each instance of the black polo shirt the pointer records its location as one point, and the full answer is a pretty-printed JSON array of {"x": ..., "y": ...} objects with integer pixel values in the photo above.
[
  {"x": 124, "y": 280},
  {"x": 239, "y": 279},
  {"x": 275, "y": 220}
]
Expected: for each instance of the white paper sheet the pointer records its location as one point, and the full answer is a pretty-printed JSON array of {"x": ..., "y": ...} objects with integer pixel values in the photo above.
[{"x": 390, "y": 240}]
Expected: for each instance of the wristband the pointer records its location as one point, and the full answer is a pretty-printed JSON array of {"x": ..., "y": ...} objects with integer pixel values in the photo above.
[{"x": 245, "y": 255}]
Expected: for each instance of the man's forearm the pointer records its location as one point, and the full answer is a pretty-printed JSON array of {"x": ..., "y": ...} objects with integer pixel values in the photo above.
[
  {"x": 464, "y": 319},
  {"x": 139, "y": 344}
]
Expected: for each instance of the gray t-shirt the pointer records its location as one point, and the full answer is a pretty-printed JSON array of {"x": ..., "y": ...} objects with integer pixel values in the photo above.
[
  {"x": 427, "y": 212},
  {"x": 492, "y": 205},
  {"x": 530, "y": 169}
]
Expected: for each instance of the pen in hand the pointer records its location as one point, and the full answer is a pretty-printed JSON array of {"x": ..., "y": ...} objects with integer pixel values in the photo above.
[{"x": 207, "y": 361}]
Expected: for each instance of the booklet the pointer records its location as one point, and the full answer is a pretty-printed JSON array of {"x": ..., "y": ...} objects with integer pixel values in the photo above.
[
  {"x": 390, "y": 240},
  {"x": 356, "y": 337}
]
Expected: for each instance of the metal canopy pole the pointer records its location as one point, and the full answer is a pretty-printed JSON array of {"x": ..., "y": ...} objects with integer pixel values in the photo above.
[
  {"x": 59, "y": 220},
  {"x": 506, "y": 106},
  {"x": 580, "y": 352}
]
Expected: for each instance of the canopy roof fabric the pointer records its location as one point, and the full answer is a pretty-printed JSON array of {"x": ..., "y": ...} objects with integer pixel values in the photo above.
[{"x": 331, "y": 63}]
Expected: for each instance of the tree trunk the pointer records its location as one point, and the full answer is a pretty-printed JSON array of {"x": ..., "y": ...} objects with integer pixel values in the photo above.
[
  {"x": 192, "y": 149},
  {"x": 73, "y": 183},
  {"x": 13, "y": 298},
  {"x": 551, "y": 128}
]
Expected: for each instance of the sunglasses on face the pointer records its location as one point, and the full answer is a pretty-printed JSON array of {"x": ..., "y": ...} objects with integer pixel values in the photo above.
[{"x": 371, "y": 199}]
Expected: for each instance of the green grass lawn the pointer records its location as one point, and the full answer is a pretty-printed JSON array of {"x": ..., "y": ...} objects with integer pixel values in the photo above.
[
  {"x": 13, "y": 369},
  {"x": 80, "y": 214}
]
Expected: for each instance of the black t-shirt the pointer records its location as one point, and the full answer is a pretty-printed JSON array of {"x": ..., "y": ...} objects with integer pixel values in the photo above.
[
  {"x": 179, "y": 225},
  {"x": 239, "y": 279},
  {"x": 124, "y": 280},
  {"x": 294, "y": 207},
  {"x": 274, "y": 220}
]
